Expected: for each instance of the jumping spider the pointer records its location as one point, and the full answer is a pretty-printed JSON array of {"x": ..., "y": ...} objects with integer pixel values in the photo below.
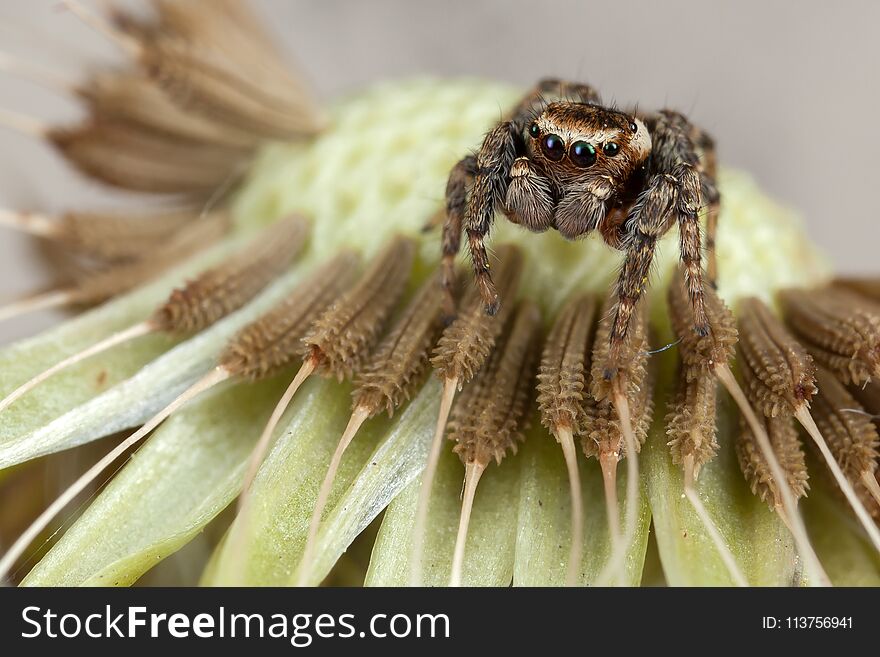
[{"x": 577, "y": 166}]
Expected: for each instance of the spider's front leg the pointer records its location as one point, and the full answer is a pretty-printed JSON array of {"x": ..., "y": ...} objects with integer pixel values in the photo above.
[
  {"x": 674, "y": 189},
  {"x": 493, "y": 164},
  {"x": 648, "y": 221},
  {"x": 456, "y": 201}
]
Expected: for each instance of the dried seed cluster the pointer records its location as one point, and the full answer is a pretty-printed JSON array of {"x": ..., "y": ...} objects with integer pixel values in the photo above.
[
  {"x": 268, "y": 345},
  {"x": 105, "y": 284},
  {"x": 602, "y": 432},
  {"x": 468, "y": 341},
  {"x": 841, "y": 329},
  {"x": 395, "y": 369},
  {"x": 488, "y": 421},
  {"x": 221, "y": 290},
  {"x": 690, "y": 421},
  {"x": 206, "y": 88},
  {"x": 342, "y": 337},
  {"x": 788, "y": 450},
  {"x": 564, "y": 366},
  {"x": 778, "y": 372},
  {"x": 201, "y": 91}
]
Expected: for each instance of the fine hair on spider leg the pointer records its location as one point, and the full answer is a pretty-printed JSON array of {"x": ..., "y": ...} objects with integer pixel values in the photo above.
[
  {"x": 461, "y": 351},
  {"x": 561, "y": 393},
  {"x": 386, "y": 382},
  {"x": 781, "y": 380},
  {"x": 488, "y": 421},
  {"x": 711, "y": 353},
  {"x": 212, "y": 295}
]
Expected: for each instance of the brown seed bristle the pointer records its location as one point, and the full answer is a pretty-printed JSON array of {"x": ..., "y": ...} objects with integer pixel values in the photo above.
[
  {"x": 217, "y": 63},
  {"x": 105, "y": 284},
  {"x": 840, "y": 329},
  {"x": 778, "y": 372},
  {"x": 564, "y": 364},
  {"x": 221, "y": 290},
  {"x": 866, "y": 287},
  {"x": 493, "y": 408},
  {"x": 124, "y": 156},
  {"x": 466, "y": 343},
  {"x": 131, "y": 98},
  {"x": 701, "y": 353},
  {"x": 395, "y": 368},
  {"x": 340, "y": 340},
  {"x": 869, "y": 397},
  {"x": 851, "y": 437},
  {"x": 274, "y": 341},
  {"x": 602, "y": 432},
  {"x": 690, "y": 421},
  {"x": 789, "y": 452},
  {"x": 116, "y": 237}
]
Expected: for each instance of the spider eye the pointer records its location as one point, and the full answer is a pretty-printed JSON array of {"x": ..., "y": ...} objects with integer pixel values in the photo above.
[
  {"x": 534, "y": 130},
  {"x": 553, "y": 147},
  {"x": 611, "y": 149},
  {"x": 633, "y": 127},
  {"x": 582, "y": 154}
]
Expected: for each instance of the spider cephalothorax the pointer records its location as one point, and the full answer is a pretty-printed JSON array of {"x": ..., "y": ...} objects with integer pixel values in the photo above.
[{"x": 577, "y": 166}]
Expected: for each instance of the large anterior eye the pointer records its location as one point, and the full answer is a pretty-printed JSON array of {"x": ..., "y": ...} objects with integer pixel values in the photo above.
[
  {"x": 582, "y": 154},
  {"x": 553, "y": 147}
]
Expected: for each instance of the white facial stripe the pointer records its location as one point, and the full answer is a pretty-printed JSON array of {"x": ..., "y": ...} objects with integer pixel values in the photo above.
[
  {"x": 570, "y": 136},
  {"x": 642, "y": 140}
]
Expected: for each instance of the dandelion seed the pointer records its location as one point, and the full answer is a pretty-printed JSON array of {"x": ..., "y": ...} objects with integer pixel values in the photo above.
[
  {"x": 205, "y": 300},
  {"x": 387, "y": 381},
  {"x": 339, "y": 340},
  {"x": 106, "y": 284},
  {"x": 561, "y": 398},
  {"x": 839, "y": 328},
  {"x": 712, "y": 353},
  {"x": 461, "y": 351},
  {"x": 618, "y": 414},
  {"x": 223, "y": 78},
  {"x": 852, "y": 438},
  {"x": 266, "y": 356},
  {"x": 107, "y": 237},
  {"x": 781, "y": 381},
  {"x": 488, "y": 422},
  {"x": 691, "y": 423}
]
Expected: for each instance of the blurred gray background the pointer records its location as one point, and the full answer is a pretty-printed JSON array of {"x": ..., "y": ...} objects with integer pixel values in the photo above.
[{"x": 789, "y": 89}]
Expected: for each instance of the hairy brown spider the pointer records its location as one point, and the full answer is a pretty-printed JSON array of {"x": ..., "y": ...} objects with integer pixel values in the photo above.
[{"x": 577, "y": 166}]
